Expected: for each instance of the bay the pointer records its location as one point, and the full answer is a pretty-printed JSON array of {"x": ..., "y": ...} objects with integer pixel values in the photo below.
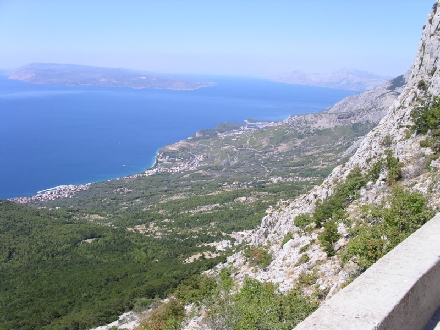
[{"x": 52, "y": 135}]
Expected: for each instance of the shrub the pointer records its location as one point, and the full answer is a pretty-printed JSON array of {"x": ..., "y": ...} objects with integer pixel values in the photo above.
[
  {"x": 387, "y": 226},
  {"x": 167, "y": 316},
  {"x": 374, "y": 172},
  {"x": 259, "y": 306},
  {"x": 287, "y": 238},
  {"x": 308, "y": 278},
  {"x": 427, "y": 121},
  {"x": 226, "y": 282},
  {"x": 427, "y": 116},
  {"x": 195, "y": 288},
  {"x": 303, "y": 259},
  {"x": 425, "y": 144},
  {"x": 329, "y": 237},
  {"x": 258, "y": 256},
  {"x": 344, "y": 194},
  {"x": 422, "y": 85},
  {"x": 394, "y": 167},
  {"x": 302, "y": 220},
  {"x": 387, "y": 141}
]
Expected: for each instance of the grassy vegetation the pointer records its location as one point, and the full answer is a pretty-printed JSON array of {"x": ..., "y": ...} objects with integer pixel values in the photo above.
[{"x": 287, "y": 238}]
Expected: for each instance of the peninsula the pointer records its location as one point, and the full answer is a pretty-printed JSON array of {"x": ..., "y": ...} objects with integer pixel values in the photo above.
[{"x": 82, "y": 75}]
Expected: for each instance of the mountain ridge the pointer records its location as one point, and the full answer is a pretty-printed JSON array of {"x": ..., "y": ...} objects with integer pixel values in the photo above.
[{"x": 345, "y": 78}]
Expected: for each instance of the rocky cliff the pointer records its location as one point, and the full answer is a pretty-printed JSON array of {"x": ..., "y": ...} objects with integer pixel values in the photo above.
[{"x": 393, "y": 135}]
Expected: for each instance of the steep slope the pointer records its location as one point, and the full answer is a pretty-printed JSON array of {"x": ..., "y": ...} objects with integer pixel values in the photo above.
[
  {"x": 395, "y": 133},
  {"x": 370, "y": 106},
  {"x": 320, "y": 241},
  {"x": 373, "y": 104}
]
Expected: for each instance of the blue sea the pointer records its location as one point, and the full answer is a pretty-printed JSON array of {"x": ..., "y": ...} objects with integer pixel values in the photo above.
[{"x": 52, "y": 135}]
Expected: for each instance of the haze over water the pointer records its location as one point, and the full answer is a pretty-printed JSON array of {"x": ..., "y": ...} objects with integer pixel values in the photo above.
[{"x": 52, "y": 135}]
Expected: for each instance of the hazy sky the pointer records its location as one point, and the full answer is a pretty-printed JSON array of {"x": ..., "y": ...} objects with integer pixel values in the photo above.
[{"x": 227, "y": 37}]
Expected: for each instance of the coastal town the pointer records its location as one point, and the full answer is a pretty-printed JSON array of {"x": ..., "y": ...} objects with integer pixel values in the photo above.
[{"x": 63, "y": 191}]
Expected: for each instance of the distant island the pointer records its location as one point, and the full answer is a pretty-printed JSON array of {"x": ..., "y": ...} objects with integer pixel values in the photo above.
[
  {"x": 349, "y": 79},
  {"x": 82, "y": 75}
]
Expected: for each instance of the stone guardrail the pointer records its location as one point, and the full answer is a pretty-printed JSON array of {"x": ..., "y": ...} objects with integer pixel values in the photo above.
[{"x": 400, "y": 291}]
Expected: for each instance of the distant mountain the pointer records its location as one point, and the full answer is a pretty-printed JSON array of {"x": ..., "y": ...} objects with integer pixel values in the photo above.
[
  {"x": 350, "y": 79},
  {"x": 82, "y": 75}
]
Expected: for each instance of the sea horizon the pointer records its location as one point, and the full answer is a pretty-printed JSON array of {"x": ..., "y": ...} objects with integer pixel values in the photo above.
[{"x": 53, "y": 135}]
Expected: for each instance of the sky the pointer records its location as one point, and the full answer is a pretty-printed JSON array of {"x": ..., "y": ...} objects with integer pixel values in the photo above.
[{"x": 215, "y": 37}]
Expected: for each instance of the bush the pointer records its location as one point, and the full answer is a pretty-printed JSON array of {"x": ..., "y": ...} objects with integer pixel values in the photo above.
[
  {"x": 387, "y": 226},
  {"x": 308, "y": 279},
  {"x": 258, "y": 256},
  {"x": 226, "y": 282},
  {"x": 167, "y": 316},
  {"x": 374, "y": 172},
  {"x": 425, "y": 144},
  {"x": 394, "y": 168},
  {"x": 259, "y": 306},
  {"x": 422, "y": 85},
  {"x": 387, "y": 141},
  {"x": 302, "y": 220},
  {"x": 427, "y": 121},
  {"x": 302, "y": 260},
  {"x": 195, "y": 289},
  {"x": 287, "y": 238},
  {"x": 344, "y": 194},
  {"x": 427, "y": 116},
  {"x": 329, "y": 237}
]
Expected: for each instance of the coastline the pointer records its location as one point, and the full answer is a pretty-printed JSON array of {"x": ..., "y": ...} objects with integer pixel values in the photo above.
[
  {"x": 227, "y": 91},
  {"x": 160, "y": 165}
]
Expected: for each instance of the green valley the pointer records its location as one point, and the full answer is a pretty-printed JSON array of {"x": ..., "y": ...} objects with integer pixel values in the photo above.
[{"x": 74, "y": 263}]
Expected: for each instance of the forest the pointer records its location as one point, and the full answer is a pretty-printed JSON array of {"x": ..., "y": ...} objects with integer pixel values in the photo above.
[
  {"x": 75, "y": 263},
  {"x": 59, "y": 272}
]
